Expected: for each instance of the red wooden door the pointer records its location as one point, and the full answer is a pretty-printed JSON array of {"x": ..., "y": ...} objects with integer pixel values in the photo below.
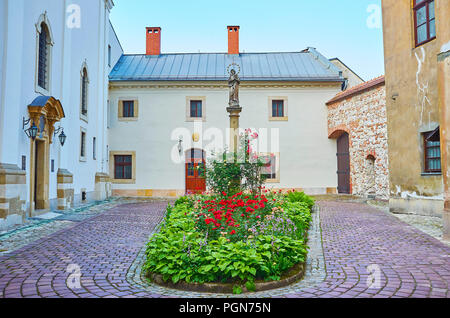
[
  {"x": 195, "y": 180},
  {"x": 343, "y": 162}
]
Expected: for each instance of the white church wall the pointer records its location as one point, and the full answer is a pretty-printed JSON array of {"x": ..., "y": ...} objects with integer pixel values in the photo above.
[{"x": 71, "y": 47}]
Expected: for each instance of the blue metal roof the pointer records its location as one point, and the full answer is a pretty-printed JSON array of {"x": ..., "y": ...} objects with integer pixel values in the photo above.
[{"x": 308, "y": 65}]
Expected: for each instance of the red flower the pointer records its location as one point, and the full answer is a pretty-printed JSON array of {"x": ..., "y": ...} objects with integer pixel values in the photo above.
[{"x": 233, "y": 232}]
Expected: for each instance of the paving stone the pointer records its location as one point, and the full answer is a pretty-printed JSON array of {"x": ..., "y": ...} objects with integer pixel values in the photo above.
[{"x": 107, "y": 244}]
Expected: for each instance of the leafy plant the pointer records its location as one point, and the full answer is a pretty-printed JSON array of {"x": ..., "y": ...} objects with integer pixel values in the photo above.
[
  {"x": 295, "y": 196},
  {"x": 222, "y": 238},
  {"x": 234, "y": 172},
  {"x": 237, "y": 290}
]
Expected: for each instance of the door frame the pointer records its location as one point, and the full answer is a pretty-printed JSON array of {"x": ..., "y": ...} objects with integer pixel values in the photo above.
[
  {"x": 339, "y": 154},
  {"x": 189, "y": 157}
]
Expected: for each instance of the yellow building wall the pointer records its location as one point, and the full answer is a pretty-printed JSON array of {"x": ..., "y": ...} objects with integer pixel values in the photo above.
[{"x": 412, "y": 109}]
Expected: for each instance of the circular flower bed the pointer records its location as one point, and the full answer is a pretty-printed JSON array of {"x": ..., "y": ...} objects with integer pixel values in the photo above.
[{"x": 241, "y": 239}]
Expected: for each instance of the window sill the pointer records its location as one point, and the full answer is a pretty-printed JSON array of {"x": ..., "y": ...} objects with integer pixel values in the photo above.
[
  {"x": 423, "y": 43},
  {"x": 123, "y": 181},
  {"x": 83, "y": 159},
  {"x": 125, "y": 119},
  {"x": 278, "y": 118},
  {"x": 42, "y": 91},
  {"x": 272, "y": 181},
  {"x": 194, "y": 119},
  {"x": 431, "y": 174}
]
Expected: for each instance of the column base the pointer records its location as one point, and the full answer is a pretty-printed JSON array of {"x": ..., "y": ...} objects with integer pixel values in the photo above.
[
  {"x": 103, "y": 189},
  {"x": 66, "y": 191}
]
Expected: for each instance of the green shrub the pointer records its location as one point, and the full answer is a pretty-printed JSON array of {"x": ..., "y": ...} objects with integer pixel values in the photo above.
[
  {"x": 265, "y": 244},
  {"x": 301, "y": 197}
]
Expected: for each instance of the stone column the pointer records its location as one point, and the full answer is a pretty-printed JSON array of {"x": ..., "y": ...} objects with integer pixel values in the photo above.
[
  {"x": 65, "y": 189},
  {"x": 443, "y": 36},
  {"x": 102, "y": 186},
  {"x": 13, "y": 192},
  {"x": 234, "y": 127}
]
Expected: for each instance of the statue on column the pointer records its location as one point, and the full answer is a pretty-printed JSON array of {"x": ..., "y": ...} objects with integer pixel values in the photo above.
[{"x": 233, "y": 83}]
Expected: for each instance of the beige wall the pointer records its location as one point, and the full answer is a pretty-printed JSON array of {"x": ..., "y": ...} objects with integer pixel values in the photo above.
[
  {"x": 443, "y": 29},
  {"x": 412, "y": 108},
  {"x": 353, "y": 78}
]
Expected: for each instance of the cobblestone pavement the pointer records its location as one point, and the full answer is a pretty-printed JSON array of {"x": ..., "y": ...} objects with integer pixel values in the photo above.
[
  {"x": 431, "y": 225},
  {"x": 355, "y": 236}
]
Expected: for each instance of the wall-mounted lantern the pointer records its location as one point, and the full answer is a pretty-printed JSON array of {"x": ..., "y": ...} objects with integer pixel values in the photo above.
[
  {"x": 32, "y": 131},
  {"x": 62, "y": 136}
]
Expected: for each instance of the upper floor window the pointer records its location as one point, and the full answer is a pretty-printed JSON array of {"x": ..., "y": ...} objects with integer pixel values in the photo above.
[
  {"x": 44, "y": 43},
  {"x": 277, "y": 108},
  {"x": 196, "y": 109},
  {"x": 424, "y": 21},
  {"x": 128, "y": 108},
  {"x": 84, "y": 91},
  {"x": 43, "y": 57}
]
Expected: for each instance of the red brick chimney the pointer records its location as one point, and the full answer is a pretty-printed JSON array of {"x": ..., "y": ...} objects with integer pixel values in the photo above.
[
  {"x": 153, "y": 41},
  {"x": 233, "y": 39}
]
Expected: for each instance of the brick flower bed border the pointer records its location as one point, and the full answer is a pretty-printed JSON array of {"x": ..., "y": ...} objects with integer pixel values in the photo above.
[{"x": 292, "y": 276}]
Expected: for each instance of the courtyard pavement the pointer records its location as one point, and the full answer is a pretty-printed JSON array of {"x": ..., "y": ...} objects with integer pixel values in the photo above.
[{"x": 366, "y": 253}]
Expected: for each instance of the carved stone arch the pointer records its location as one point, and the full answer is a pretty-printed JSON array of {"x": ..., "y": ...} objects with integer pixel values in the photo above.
[
  {"x": 44, "y": 112},
  {"x": 48, "y": 108}
]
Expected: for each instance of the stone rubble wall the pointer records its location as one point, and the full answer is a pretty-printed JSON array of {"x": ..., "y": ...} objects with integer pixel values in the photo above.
[{"x": 363, "y": 116}]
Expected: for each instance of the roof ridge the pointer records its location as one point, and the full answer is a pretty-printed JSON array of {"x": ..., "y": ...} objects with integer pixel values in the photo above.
[{"x": 225, "y": 53}]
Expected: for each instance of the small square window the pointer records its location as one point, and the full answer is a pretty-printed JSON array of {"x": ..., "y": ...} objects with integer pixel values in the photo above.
[
  {"x": 196, "y": 109},
  {"x": 278, "y": 108},
  {"x": 123, "y": 167},
  {"x": 128, "y": 109}
]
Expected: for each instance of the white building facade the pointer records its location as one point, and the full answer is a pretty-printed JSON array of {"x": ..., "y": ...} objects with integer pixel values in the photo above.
[
  {"x": 168, "y": 109},
  {"x": 55, "y": 59}
]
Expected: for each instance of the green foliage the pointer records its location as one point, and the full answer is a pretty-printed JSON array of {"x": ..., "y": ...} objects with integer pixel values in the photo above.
[
  {"x": 301, "y": 197},
  {"x": 231, "y": 172},
  {"x": 186, "y": 250},
  {"x": 237, "y": 290},
  {"x": 183, "y": 200},
  {"x": 250, "y": 285}
]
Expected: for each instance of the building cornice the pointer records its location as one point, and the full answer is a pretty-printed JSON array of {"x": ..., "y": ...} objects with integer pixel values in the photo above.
[{"x": 218, "y": 85}]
